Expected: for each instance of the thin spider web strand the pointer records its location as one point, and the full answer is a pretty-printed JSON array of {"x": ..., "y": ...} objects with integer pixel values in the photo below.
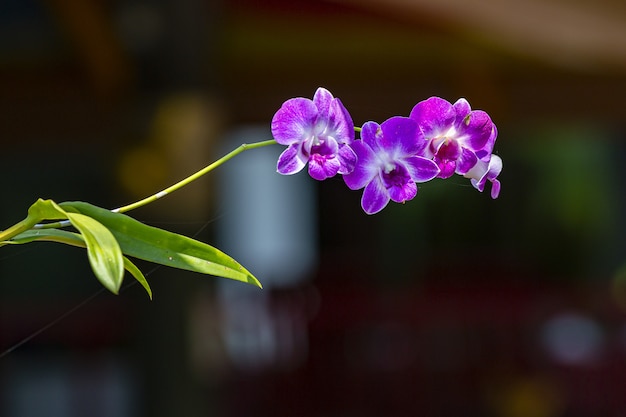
[
  {"x": 51, "y": 324},
  {"x": 83, "y": 303}
]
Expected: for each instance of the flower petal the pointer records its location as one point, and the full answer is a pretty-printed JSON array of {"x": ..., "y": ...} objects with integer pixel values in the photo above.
[
  {"x": 448, "y": 150},
  {"x": 340, "y": 125},
  {"x": 372, "y": 135},
  {"x": 403, "y": 192},
  {"x": 400, "y": 136},
  {"x": 485, "y": 171},
  {"x": 495, "y": 188},
  {"x": 462, "y": 109},
  {"x": 323, "y": 161},
  {"x": 446, "y": 156},
  {"x": 322, "y": 99},
  {"x": 421, "y": 169},
  {"x": 495, "y": 167},
  {"x": 322, "y": 167},
  {"x": 485, "y": 152},
  {"x": 367, "y": 167},
  {"x": 347, "y": 158},
  {"x": 327, "y": 147},
  {"x": 446, "y": 167},
  {"x": 294, "y": 121},
  {"x": 466, "y": 161},
  {"x": 292, "y": 160},
  {"x": 476, "y": 130},
  {"x": 433, "y": 116},
  {"x": 375, "y": 197}
]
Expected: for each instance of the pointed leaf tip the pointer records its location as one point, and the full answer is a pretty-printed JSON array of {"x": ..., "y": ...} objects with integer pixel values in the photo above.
[{"x": 103, "y": 251}]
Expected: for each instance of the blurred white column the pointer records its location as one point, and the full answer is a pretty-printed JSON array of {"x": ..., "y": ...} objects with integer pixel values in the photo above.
[{"x": 267, "y": 222}]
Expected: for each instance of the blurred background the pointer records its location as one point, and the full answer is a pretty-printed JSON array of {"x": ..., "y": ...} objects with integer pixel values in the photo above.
[{"x": 452, "y": 304}]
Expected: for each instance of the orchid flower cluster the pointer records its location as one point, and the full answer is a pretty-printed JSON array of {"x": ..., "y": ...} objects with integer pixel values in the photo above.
[{"x": 436, "y": 140}]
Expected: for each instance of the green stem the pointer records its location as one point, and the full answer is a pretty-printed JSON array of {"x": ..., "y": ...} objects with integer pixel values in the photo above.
[
  {"x": 357, "y": 129},
  {"x": 243, "y": 147},
  {"x": 26, "y": 224}
]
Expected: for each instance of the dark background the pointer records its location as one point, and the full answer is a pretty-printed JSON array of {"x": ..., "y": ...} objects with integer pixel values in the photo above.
[{"x": 452, "y": 304}]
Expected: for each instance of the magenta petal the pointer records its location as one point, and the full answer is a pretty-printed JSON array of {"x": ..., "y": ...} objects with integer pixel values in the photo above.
[
  {"x": 292, "y": 160},
  {"x": 340, "y": 124},
  {"x": 293, "y": 122},
  {"x": 347, "y": 158},
  {"x": 323, "y": 161},
  {"x": 421, "y": 169},
  {"x": 485, "y": 152},
  {"x": 366, "y": 168},
  {"x": 462, "y": 109},
  {"x": 403, "y": 193},
  {"x": 476, "y": 130},
  {"x": 372, "y": 135},
  {"x": 375, "y": 197},
  {"x": 400, "y": 136},
  {"x": 433, "y": 115},
  {"x": 322, "y": 167},
  {"x": 466, "y": 161},
  {"x": 327, "y": 147},
  {"x": 495, "y": 189},
  {"x": 322, "y": 100},
  {"x": 449, "y": 150},
  {"x": 446, "y": 168}
]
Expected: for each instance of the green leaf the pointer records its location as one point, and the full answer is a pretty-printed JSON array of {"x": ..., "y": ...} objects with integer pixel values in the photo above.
[
  {"x": 47, "y": 235},
  {"x": 163, "y": 247},
  {"x": 103, "y": 251},
  {"x": 46, "y": 210},
  {"x": 135, "y": 272},
  {"x": 41, "y": 210},
  {"x": 73, "y": 239}
]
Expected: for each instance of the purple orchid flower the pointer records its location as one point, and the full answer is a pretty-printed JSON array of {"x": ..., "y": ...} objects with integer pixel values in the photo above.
[
  {"x": 457, "y": 135},
  {"x": 317, "y": 132},
  {"x": 486, "y": 170},
  {"x": 388, "y": 163}
]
